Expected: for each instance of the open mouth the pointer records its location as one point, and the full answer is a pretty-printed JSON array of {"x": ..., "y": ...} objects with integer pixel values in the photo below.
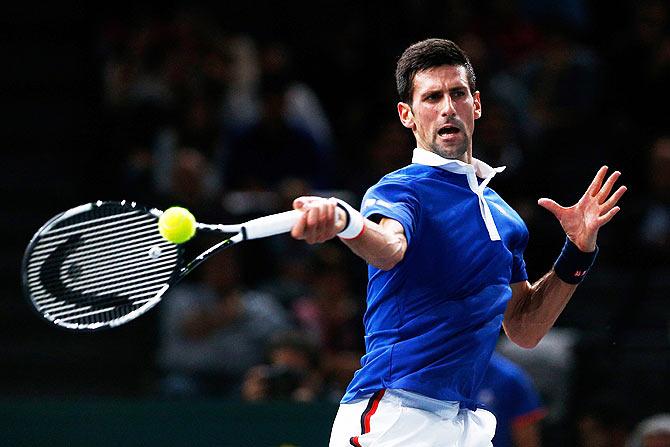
[{"x": 448, "y": 130}]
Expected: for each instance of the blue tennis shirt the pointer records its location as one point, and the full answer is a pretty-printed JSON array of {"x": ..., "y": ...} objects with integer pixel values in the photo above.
[{"x": 432, "y": 321}]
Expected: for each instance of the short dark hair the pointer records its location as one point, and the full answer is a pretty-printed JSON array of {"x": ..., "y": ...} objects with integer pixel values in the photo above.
[{"x": 427, "y": 54}]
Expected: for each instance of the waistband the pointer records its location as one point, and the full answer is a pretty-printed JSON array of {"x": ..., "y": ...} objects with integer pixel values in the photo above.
[{"x": 443, "y": 408}]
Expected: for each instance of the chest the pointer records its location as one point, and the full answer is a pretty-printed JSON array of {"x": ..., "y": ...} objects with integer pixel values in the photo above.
[{"x": 456, "y": 216}]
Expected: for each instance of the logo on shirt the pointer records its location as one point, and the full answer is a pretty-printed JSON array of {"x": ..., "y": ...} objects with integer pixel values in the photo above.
[
  {"x": 500, "y": 208},
  {"x": 371, "y": 202}
]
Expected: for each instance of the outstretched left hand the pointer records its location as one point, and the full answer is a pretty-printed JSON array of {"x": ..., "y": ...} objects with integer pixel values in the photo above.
[{"x": 582, "y": 221}]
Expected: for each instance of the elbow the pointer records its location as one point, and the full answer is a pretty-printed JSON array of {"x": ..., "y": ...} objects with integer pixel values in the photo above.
[
  {"x": 522, "y": 338},
  {"x": 527, "y": 342},
  {"x": 391, "y": 256},
  {"x": 387, "y": 263}
]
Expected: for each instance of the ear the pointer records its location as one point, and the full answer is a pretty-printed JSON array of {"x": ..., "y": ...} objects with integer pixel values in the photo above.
[
  {"x": 406, "y": 115},
  {"x": 478, "y": 105}
]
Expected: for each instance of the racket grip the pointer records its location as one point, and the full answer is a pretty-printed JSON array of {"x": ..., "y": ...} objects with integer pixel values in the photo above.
[{"x": 270, "y": 225}]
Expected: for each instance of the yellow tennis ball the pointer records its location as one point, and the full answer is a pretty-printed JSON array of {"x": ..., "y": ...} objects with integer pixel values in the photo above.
[{"x": 177, "y": 225}]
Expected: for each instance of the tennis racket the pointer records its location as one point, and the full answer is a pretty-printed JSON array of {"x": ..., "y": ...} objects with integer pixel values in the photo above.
[{"x": 103, "y": 264}]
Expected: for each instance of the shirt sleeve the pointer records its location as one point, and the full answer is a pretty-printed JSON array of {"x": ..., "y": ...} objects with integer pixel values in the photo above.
[
  {"x": 395, "y": 200},
  {"x": 518, "y": 263}
]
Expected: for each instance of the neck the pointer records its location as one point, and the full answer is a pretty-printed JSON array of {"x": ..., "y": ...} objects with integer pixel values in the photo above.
[{"x": 465, "y": 158}]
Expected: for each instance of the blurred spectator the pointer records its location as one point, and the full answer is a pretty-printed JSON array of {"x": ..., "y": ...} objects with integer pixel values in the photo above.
[
  {"x": 276, "y": 118},
  {"x": 654, "y": 230},
  {"x": 303, "y": 107},
  {"x": 272, "y": 148},
  {"x": 574, "y": 12},
  {"x": 602, "y": 421},
  {"x": 564, "y": 93},
  {"x": 190, "y": 180},
  {"x": 511, "y": 36},
  {"x": 239, "y": 107},
  {"x": 551, "y": 365},
  {"x": 498, "y": 142},
  {"x": 291, "y": 371},
  {"x": 646, "y": 37},
  {"x": 331, "y": 313},
  {"x": 652, "y": 432},
  {"x": 647, "y": 309},
  {"x": 213, "y": 330},
  {"x": 508, "y": 392},
  {"x": 249, "y": 63},
  {"x": 293, "y": 270},
  {"x": 390, "y": 148}
]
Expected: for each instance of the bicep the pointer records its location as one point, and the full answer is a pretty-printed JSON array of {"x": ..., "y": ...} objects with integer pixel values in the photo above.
[{"x": 393, "y": 227}]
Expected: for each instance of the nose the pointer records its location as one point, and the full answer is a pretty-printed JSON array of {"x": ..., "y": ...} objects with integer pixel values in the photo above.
[{"x": 448, "y": 107}]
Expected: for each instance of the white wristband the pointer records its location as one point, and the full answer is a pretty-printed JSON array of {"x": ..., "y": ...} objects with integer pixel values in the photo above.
[{"x": 355, "y": 221}]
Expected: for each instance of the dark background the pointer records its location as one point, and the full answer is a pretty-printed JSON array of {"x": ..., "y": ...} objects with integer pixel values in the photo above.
[{"x": 62, "y": 147}]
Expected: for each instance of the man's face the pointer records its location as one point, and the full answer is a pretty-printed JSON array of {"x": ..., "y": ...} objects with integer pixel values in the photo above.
[{"x": 443, "y": 112}]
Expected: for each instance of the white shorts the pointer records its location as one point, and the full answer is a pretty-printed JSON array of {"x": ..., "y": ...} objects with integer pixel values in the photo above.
[{"x": 391, "y": 418}]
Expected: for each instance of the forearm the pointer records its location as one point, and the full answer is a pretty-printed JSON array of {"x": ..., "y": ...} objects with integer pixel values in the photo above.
[
  {"x": 531, "y": 313},
  {"x": 381, "y": 245}
]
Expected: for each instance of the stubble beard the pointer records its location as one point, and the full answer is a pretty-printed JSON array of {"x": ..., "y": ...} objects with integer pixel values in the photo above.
[{"x": 456, "y": 152}]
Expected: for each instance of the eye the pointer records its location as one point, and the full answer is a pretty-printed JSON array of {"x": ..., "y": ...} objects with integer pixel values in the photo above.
[
  {"x": 460, "y": 93},
  {"x": 434, "y": 96}
]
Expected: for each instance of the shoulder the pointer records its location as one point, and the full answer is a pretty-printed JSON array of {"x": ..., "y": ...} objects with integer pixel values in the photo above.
[
  {"x": 406, "y": 179},
  {"x": 506, "y": 211},
  {"x": 412, "y": 171}
]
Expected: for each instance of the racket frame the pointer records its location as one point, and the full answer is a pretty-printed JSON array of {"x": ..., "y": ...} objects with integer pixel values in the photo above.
[{"x": 174, "y": 277}]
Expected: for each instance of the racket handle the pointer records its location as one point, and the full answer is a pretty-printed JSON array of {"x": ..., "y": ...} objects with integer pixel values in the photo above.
[
  {"x": 280, "y": 223},
  {"x": 270, "y": 225}
]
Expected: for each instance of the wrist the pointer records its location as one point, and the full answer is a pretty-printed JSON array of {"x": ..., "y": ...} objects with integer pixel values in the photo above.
[
  {"x": 354, "y": 221},
  {"x": 573, "y": 264},
  {"x": 587, "y": 246}
]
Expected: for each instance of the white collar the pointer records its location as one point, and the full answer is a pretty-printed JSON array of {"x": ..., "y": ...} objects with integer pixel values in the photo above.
[
  {"x": 472, "y": 171},
  {"x": 478, "y": 167}
]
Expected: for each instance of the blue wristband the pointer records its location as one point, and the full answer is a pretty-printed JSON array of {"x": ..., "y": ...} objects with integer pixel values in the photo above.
[{"x": 572, "y": 264}]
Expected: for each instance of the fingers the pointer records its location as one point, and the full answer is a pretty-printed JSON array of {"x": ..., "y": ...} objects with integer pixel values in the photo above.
[
  {"x": 607, "y": 187},
  {"x": 298, "y": 230},
  {"x": 602, "y": 220},
  {"x": 551, "y": 206},
  {"x": 607, "y": 206},
  {"x": 304, "y": 200},
  {"x": 317, "y": 224},
  {"x": 330, "y": 210},
  {"x": 597, "y": 181}
]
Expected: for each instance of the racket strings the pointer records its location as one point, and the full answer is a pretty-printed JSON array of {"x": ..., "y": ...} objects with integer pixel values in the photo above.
[
  {"x": 131, "y": 236},
  {"x": 129, "y": 259},
  {"x": 95, "y": 296},
  {"x": 76, "y": 311},
  {"x": 99, "y": 266}
]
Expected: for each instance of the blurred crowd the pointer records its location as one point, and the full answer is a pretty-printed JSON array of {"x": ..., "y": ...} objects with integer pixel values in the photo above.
[{"x": 234, "y": 124}]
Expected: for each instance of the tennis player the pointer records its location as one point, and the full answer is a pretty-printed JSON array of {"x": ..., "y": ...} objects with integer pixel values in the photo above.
[{"x": 446, "y": 267}]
